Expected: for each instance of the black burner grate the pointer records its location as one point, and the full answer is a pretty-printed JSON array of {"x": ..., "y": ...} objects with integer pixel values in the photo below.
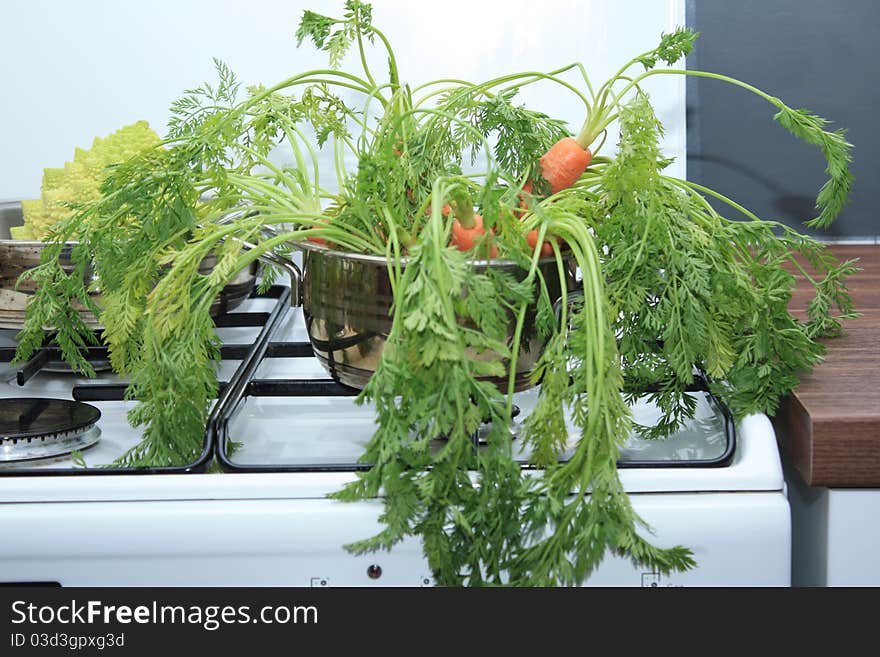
[
  {"x": 96, "y": 392},
  {"x": 245, "y": 385}
]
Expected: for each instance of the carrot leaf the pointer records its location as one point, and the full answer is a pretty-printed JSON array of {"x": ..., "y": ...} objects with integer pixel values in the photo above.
[
  {"x": 837, "y": 151},
  {"x": 672, "y": 48}
]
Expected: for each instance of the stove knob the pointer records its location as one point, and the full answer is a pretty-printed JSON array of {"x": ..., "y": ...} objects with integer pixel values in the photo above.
[{"x": 374, "y": 571}]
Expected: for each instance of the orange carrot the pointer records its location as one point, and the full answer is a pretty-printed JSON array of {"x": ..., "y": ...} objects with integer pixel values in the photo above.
[
  {"x": 523, "y": 203},
  {"x": 564, "y": 163},
  {"x": 319, "y": 240},
  {"x": 322, "y": 242},
  {"x": 561, "y": 166},
  {"x": 445, "y": 210},
  {"x": 465, "y": 238},
  {"x": 532, "y": 235},
  {"x": 546, "y": 247}
]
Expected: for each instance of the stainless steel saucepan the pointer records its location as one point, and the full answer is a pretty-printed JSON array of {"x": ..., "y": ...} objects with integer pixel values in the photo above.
[
  {"x": 347, "y": 301},
  {"x": 18, "y": 256}
]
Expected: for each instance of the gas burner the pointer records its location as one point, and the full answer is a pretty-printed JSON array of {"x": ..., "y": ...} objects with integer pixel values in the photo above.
[{"x": 36, "y": 428}]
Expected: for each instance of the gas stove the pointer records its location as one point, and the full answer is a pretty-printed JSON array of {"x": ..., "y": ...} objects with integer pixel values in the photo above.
[{"x": 259, "y": 515}]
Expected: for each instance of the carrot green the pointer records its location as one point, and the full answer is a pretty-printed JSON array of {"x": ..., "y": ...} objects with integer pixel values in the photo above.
[{"x": 676, "y": 278}]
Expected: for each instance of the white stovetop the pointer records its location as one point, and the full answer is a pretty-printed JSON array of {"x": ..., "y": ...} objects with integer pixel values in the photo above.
[
  {"x": 755, "y": 467},
  {"x": 335, "y": 430}
]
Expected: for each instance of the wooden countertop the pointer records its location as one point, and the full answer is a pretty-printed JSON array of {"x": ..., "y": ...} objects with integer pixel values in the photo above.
[{"x": 830, "y": 425}]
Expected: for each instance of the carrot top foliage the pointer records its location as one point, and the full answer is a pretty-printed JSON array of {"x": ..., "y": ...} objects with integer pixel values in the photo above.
[{"x": 670, "y": 286}]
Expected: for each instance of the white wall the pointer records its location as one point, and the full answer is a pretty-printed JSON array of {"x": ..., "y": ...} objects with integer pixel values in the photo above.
[{"x": 79, "y": 69}]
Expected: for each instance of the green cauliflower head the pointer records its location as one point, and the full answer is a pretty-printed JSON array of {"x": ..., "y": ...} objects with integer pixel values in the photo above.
[{"x": 79, "y": 181}]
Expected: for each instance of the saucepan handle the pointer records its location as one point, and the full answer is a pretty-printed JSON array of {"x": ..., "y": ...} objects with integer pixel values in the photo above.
[
  {"x": 274, "y": 259},
  {"x": 287, "y": 265}
]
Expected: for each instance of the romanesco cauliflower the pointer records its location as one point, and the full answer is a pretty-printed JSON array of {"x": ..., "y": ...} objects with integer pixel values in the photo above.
[{"x": 80, "y": 180}]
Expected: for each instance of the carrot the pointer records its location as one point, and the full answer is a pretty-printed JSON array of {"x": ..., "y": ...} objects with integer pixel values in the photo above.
[
  {"x": 319, "y": 240},
  {"x": 532, "y": 235},
  {"x": 322, "y": 242},
  {"x": 561, "y": 166},
  {"x": 466, "y": 238},
  {"x": 523, "y": 203},
  {"x": 564, "y": 163},
  {"x": 546, "y": 247},
  {"x": 445, "y": 210}
]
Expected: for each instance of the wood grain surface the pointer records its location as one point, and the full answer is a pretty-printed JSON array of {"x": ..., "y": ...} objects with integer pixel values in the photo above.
[{"x": 829, "y": 426}]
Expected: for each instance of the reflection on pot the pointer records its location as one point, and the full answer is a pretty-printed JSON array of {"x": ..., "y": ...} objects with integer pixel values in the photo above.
[
  {"x": 347, "y": 302},
  {"x": 18, "y": 256}
]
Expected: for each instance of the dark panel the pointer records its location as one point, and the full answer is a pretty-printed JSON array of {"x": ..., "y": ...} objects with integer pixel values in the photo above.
[{"x": 818, "y": 54}]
